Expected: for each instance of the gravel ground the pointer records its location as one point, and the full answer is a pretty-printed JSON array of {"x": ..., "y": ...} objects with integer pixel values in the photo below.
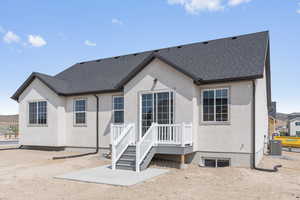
[{"x": 27, "y": 174}]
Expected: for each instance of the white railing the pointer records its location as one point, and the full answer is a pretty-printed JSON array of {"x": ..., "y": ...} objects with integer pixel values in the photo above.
[
  {"x": 121, "y": 137},
  {"x": 174, "y": 134},
  {"x": 145, "y": 144},
  {"x": 187, "y": 133},
  {"x": 116, "y": 130}
]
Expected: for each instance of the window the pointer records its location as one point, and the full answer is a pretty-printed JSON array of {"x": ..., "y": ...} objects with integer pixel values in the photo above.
[
  {"x": 216, "y": 162},
  {"x": 215, "y": 105},
  {"x": 38, "y": 112},
  {"x": 118, "y": 107},
  {"x": 80, "y": 111},
  {"x": 297, "y": 133},
  {"x": 297, "y": 123},
  {"x": 156, "y": 107}
]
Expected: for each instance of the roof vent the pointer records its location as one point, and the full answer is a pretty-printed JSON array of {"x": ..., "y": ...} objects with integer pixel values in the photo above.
[
  {"x": 179, "y": 47},
  {"x": 233, "y": 38},
  {"x": 116, "y": 57},
  {"x": 81, "y": 63},
  {"x": 205, "y": 42},
  {"x": 98, "y": 60},
  {"x": 156, "y": 50},
  {"x": 135, "y": 54}
]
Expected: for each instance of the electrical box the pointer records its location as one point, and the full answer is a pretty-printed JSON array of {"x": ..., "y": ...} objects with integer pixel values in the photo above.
[{"x": 275, "y": 148}]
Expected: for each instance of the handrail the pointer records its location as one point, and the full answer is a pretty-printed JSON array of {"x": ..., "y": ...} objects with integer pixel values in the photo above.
[
  {"x": 145, "y": 144},
  {"x": 176, "y": 134},
  {"x": 121, "y": 141}
]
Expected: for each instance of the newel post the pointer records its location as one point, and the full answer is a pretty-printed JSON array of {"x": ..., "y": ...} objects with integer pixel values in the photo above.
[
  {"x": 113, "y": 150},
  {"x": 182, "y": 134},
  {"x": 137, "y": 154}
]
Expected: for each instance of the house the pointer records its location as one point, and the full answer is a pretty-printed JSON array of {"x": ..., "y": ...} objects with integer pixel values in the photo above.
[
  {"x": 206, "y": 103},
  {"x": 272, "y": 119},
  {"x": 294, "y": 124}
]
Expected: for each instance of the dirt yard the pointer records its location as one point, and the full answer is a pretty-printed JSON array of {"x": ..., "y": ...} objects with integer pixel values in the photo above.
[{"x": 26, "y": 174}]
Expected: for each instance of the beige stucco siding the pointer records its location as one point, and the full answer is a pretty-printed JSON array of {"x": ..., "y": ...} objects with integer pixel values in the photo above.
[
  {"x": 167, "y": 79},
  {"x": 234, "y": 136},
  {"x": 60, "y": 129},
  {"x": 47, "y": 135},
  {"x": 84, "y": 136},
  {"x": 262, "y": 122}
]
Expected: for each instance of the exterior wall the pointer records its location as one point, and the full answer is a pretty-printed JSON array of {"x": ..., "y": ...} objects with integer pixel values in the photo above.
[
  {"x": 261, "y": 110},
  {"x": 293, "y": 128},
  {"x": 230, "y": 139},
  {"x": 60, "y": 130},
  {"x": 85, "y": 136},
  {"x": 272, "y": 126},
  {"x": 167, "y": 79},
  {"x": 46, "y": 135},
  {"x": 232, "y": 136}
]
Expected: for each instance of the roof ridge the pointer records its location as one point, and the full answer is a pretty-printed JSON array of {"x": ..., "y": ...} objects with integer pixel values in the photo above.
[{"x": 171, "y": 47}]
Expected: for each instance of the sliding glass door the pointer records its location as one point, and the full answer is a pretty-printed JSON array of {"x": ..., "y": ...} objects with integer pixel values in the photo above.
[{"x": 156, "y": 107}]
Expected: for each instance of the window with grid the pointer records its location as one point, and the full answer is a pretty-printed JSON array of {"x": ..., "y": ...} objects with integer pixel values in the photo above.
[
  {"x": 215, "y": 105},
  {"x": 80, "y": 107},
  {"x": 297, "y": 123},
  {"x": 38, "y": 113},
  {"x": 118, "y": 107}
]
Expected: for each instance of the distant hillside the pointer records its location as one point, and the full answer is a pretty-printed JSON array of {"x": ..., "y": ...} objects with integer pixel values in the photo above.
[
  {"x": 9, "y": 118},
  {"x": 282, "y": 116}
]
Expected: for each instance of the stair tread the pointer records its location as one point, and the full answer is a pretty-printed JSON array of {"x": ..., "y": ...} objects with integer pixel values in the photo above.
[
  {"x": 128, "y": 154},
  {"x": 126, "y": 159},
  {"x": 125, "y": 164}
]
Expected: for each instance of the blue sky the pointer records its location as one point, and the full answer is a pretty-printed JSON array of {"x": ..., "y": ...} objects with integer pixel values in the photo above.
[{"x": 49, "y": 36}]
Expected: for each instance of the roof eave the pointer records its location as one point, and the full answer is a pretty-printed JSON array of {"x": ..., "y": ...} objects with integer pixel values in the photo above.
[
  {"x": 28, "y": 81},
  {"x": 212, "y": 81}
]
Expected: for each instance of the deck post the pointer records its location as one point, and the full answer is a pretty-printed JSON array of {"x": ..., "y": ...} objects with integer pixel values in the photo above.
[{"x": 182, "y": 162}]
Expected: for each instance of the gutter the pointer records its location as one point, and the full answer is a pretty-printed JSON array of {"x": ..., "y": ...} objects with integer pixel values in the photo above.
[
  {"x": 253, "y": 165},
  {"x": 97, "y": 137}
]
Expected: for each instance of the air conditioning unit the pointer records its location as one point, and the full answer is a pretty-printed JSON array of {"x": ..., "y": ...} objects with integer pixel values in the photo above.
[{"x": 275, "y": 148}]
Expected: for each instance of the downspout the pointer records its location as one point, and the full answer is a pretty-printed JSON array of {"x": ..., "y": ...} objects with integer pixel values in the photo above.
[
  {"x": 97, "y": 136},
  {"x": 275, "y": 168}
]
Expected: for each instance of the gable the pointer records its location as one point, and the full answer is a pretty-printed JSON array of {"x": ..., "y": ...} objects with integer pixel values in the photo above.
[{"x": 228, "y": 59}]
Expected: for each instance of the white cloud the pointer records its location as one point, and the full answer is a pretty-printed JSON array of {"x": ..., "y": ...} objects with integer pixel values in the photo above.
[
  {"x": 11, "y": 37},
  {"x": 89, "y": 43},
  {"x": 36, "y": 40},
  {"x": 116, "y": 21},
  {"x": 196, "y": 6},
  {"x": 298, "y": 11},
  {"x": 2, "y": 30},
  {"x": 237, "y": 2}
]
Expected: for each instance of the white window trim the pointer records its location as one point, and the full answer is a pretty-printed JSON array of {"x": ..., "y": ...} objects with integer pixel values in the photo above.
[
  {"x": 37, "y": 113},
  {"x": 74, "y": 112},
  {"x": 113, "y": 108},
  {"x": 228, "y": 109}
]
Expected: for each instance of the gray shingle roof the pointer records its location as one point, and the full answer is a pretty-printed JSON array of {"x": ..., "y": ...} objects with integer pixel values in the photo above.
[{"x": 233, "y": 58}]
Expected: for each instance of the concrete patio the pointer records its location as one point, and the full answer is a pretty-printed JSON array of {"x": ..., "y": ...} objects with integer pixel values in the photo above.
[{"x": 105, "y": 175}]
